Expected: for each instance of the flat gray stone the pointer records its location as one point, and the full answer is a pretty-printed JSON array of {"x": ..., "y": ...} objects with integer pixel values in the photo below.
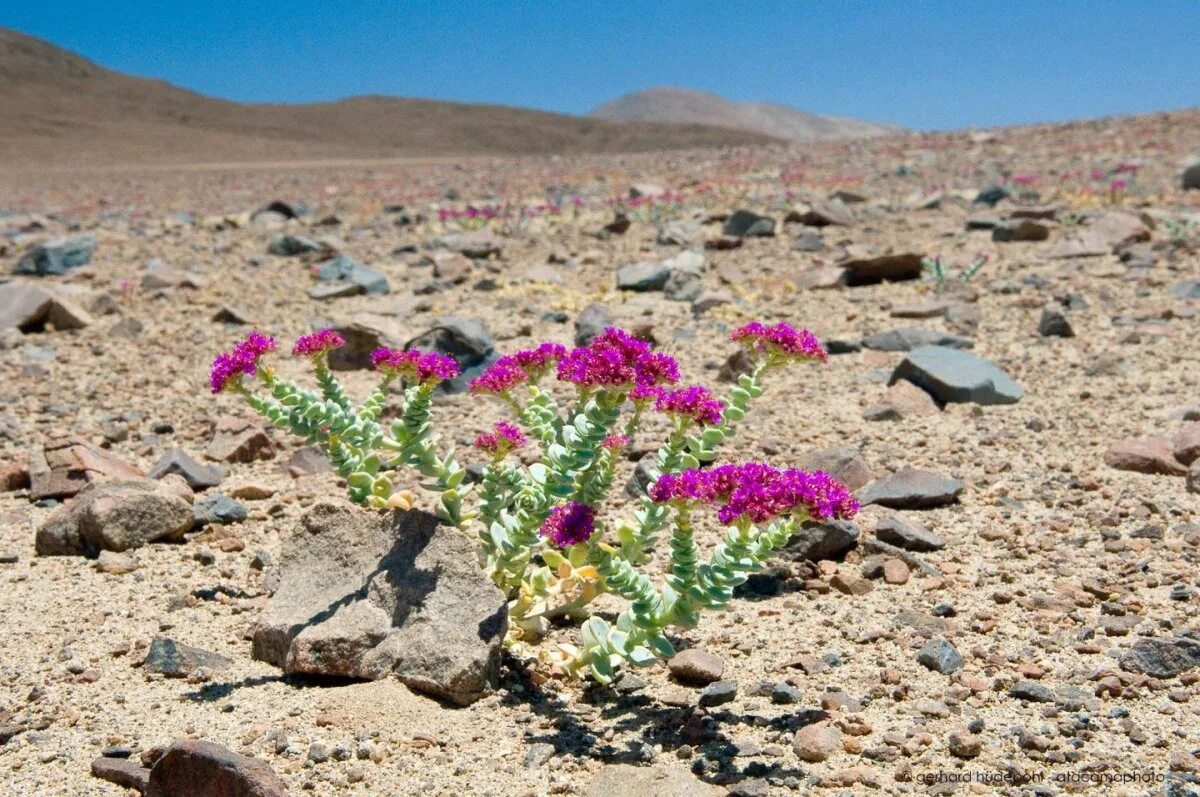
[
  {"x": 1162, "y": 657},
  {"x": 911, "y": 488},
  {"x": 643, "y": 276},
  {"x": 953, "y": 376},
  {"x": 909, "y": 535},
  {"x": 57, "y": 256},
  {"x": 909, "y": 338}
]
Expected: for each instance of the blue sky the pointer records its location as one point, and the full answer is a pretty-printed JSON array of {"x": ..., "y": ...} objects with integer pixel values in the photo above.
[{"x": 924, "y": 64}]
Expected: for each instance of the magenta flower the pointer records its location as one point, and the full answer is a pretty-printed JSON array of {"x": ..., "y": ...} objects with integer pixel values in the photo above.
[
  {"x": 758, "y": 492},
  {"x": 228, "y": 368},
  {"x": 414, "y": 364},
  {"x": 505, "y": 438},
  {"x": 781, "y": 340},
  {"x": 695, "y": 403},
  {"x": 317, "y": 343},
  {"x": 518, "y": 368},
  {"x": 537, "y": 361},
  {"x": 616, "y": 360},
  {"x": 569, "y": 524}
]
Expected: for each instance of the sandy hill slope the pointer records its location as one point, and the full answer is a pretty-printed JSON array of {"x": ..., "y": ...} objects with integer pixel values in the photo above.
[
  {"x": 685, "y": 106},
  {"x": 60, "y": 108}
]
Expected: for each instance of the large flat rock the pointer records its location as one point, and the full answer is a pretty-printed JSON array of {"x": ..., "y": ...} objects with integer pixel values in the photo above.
[{"x": 954, "y": 376}]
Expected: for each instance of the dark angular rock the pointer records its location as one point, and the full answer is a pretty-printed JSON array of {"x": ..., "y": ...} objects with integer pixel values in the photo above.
[
  {"x": 911, "y": 488},
  {"x": 1161, "y": 657},
  {"x": 199, "y": 477},
  {"x": 31, "y": 308},
  {"x": 1054, "y": 324},
  {"x": 992, "y": 195},
  {"x": 1191, "y": 178},
  {"x": 1020, "y": 230},
  {"x": 218, "y": 510},
  {"x": 1031, "y": 691},
  {"x": 292, "y": 245},
  {"x": 747, "y": 224},
  {"x": 643, "y": 276},
  {"x": 909, "y": 535},
  {"x": 593, "y": 320},
  {"x": 940, "y": 655},
  {"x": 57, "y": 256},
  {"x": 817, "y": 541},
  {"x": 718, "y": 694},
  {"x": 176, "y": 660},
  {"x": 870, "y": 270},
  {"x": 951, "y": 376},
  {"x": 122, "y": 772},
  {"x": 346, "y": 269}
]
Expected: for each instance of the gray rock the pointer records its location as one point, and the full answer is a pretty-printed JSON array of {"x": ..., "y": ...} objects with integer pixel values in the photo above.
[
  {"x": 593, "y": 320},
  {"x": 816, "y": 541},
  {"x": 909, "y": 535},
  {"x": 822, "y": 214},
  {"x": 808, "y": 242},
  {"x": 57, "y": 256},
  {"x": 218, "y": 510},
  {"x": 952, "y": 376},
  {"x": 940, "y": 655},
  {"x": 538, "y": 754},
  {"x": 288, "y": 209},
  {"x": 114, "y": 515},
  {"x": 467, "y": 340},
  {"x": 364, "y": 595},
  {"x": 292, "y": 245},
  {"x": 844, "y": 463},
  {"x": 1054, "y": 324},
  {"x": 643, "y": 276},
  {"x": 347, "y": 270},
  {"x": 1186, "y": 289},
  {"x": 909, "y": 338},
  {"x": 911, "y": 488},
  {"x": 1031, "y": 691},
  {"x": 1161, "y": 657},
  {"x": 31, "y": 308},
  {"x": 686, "y": 282},
  {"x": 718, "y": 694},
  {"x": 679, "y": 233},
  {"x": 363, "y": 335},
  {"x": 199, "y": 477},
  {"x": 476, "y": 243},
  {"x": 992, "y": 195},
  {"x": 177, "y": 660},
  {"x": 748, "y": 224},
  {"x": 784, "y": 694}
]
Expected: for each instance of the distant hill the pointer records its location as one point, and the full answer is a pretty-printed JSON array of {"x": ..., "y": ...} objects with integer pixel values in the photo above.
[
  {"x": 685, "y": 106},
  {"x": 60, "y": 108}
]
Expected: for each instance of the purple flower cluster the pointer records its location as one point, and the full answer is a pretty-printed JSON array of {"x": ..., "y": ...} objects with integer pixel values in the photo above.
[
  {"x": 616, "y": 359},
  {"x": 615, "y": 442},
  {"x": 518, "y": 368},
  {"x": 694, "y": 402},
  {"x": 758, "y": 492},
  {"x": 319, "y": 342},
  {"x": 505, "y": 438},
  {"x": 569, "y": 524},
  {"x": 231, "y": 366},
  {"x": 780, "y": 339},
  {"x": 414, "y": 364}
]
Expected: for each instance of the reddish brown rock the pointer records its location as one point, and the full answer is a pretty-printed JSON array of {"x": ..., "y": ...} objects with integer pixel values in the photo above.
[
  {"x": 122, "y": 772},
  {"x": 1154, "y": 455},
  {"x": 239, "y": 440},
  {"x": 203, "y": 769},
  {"x": 1186, "y": 443},
  {"x": 14, "y": 477},
  {"x": 842, "y": 462},
  {"x": 65, "y": 466}
]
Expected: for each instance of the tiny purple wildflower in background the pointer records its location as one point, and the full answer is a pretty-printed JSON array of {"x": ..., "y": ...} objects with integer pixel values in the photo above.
[
  {"x": 694, "y": 402},
  {"x": 569, "y": 524},
  {"x": 242, "y": 361},
  {"x": 505, "y": 438},
  {"x": 318, "y": 342},
  {"x": 782, "y": 339}
]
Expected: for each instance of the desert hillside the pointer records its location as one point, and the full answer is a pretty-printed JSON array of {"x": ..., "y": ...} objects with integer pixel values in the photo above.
[
  {"x": 686, "y": 106},
  {"x": 63, "y": 109}
]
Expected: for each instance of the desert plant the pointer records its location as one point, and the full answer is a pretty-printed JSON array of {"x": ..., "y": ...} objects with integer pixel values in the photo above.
[
  {"x": 938, "y": 272},
  {"x": 539, "y": 533}
]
